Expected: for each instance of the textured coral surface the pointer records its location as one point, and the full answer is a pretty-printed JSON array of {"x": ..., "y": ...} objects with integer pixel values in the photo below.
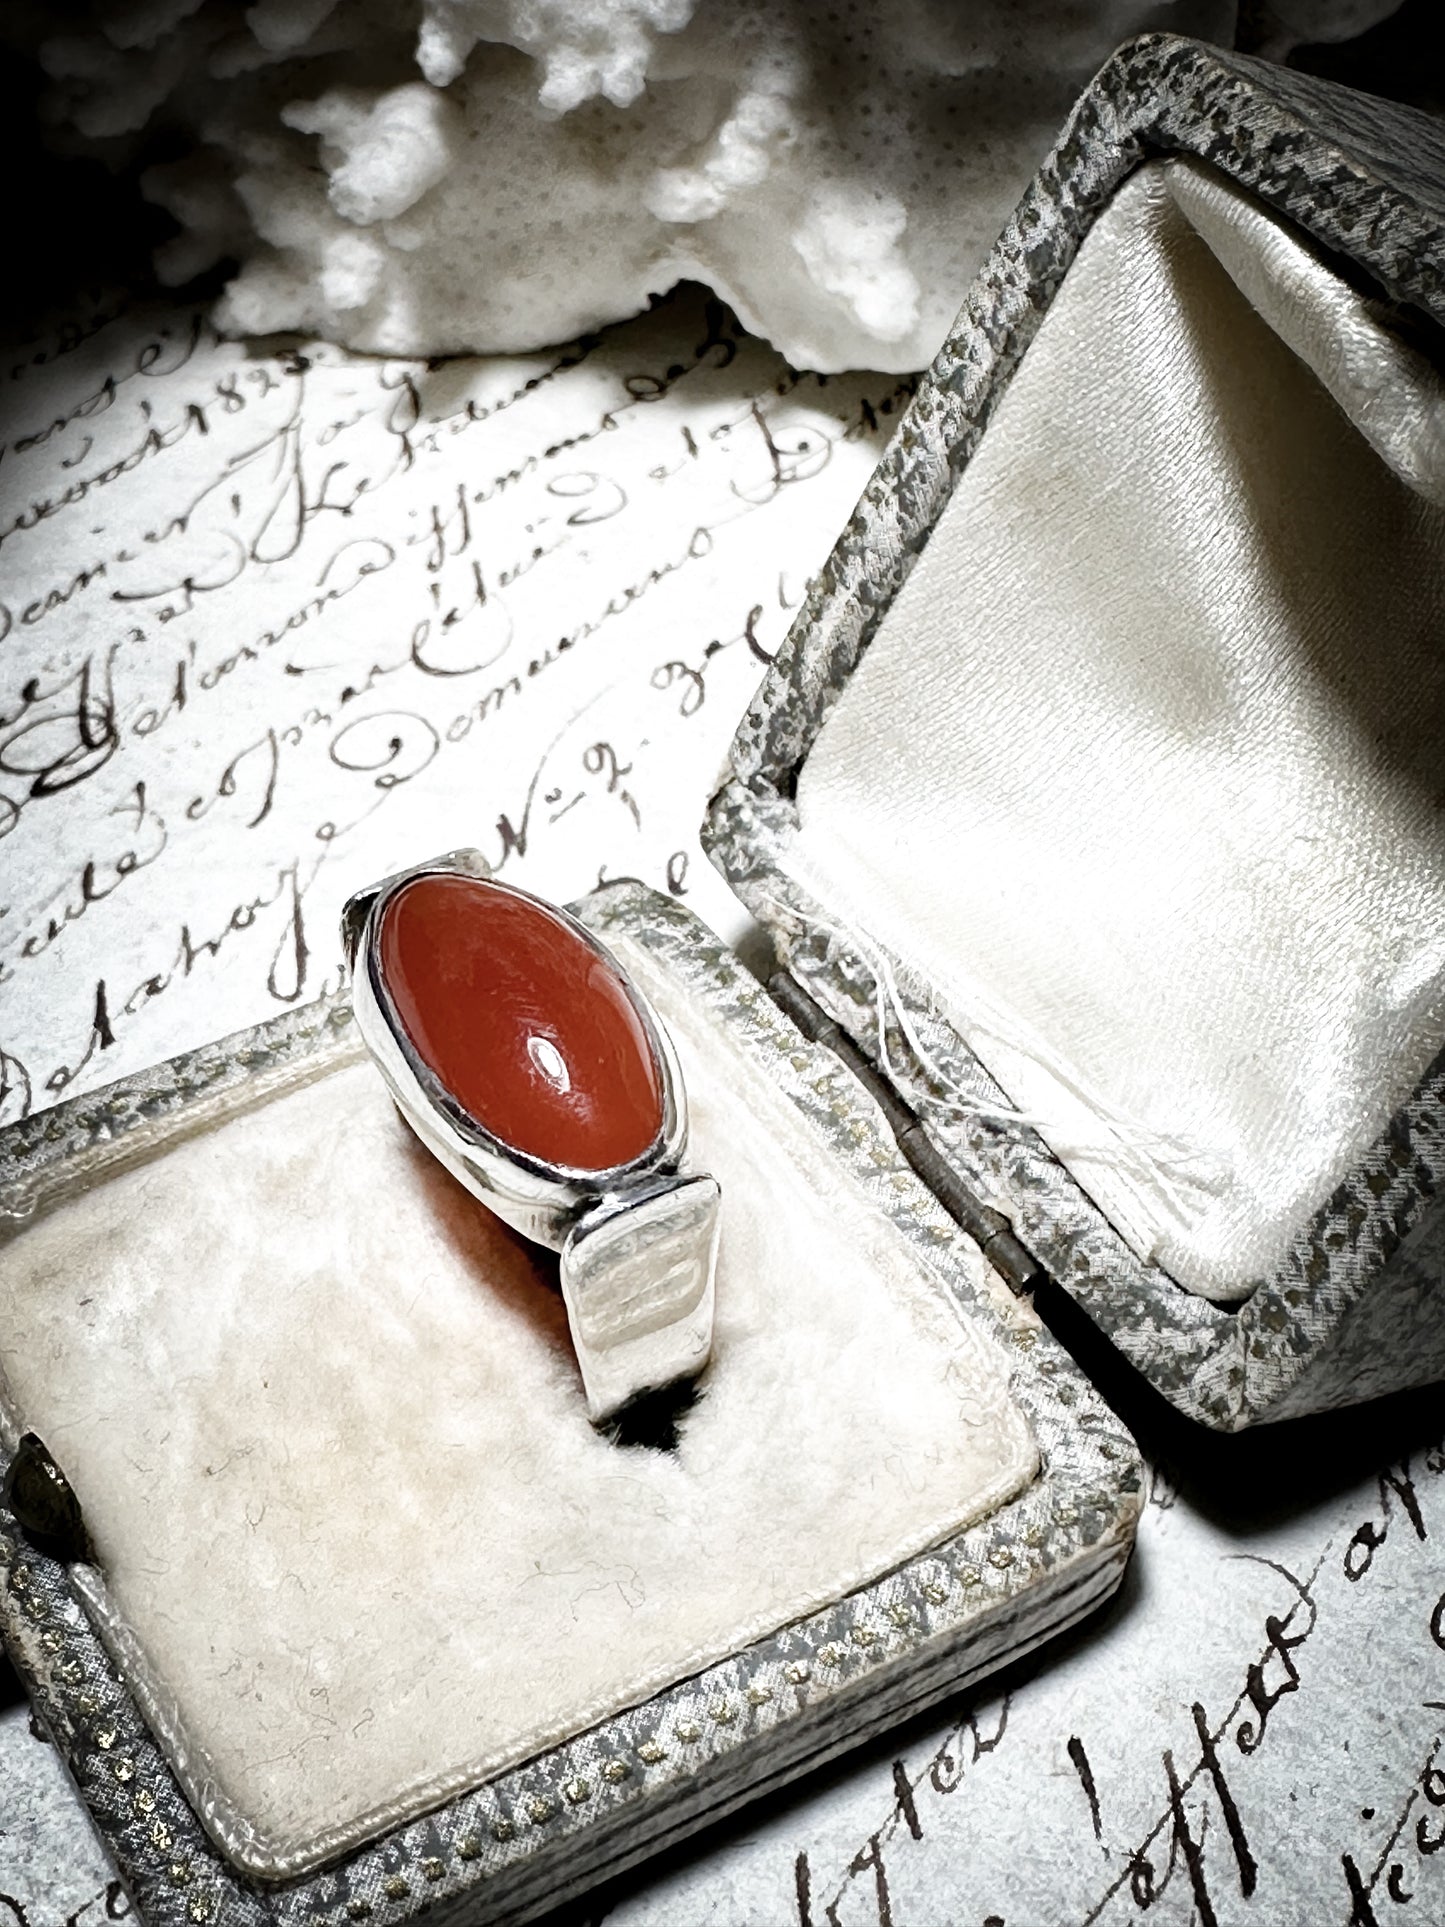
[
  {"x": 447, "y": 175},
  {"x": 499, "y": 174}
]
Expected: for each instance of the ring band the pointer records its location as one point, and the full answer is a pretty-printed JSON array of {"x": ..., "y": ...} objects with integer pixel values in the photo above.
[{"x": 527, "y": 1062}]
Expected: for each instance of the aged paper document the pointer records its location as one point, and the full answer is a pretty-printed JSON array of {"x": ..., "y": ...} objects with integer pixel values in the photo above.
[
  {"x": 273, "y": 625},
  {"x": 276, "y": 620}
]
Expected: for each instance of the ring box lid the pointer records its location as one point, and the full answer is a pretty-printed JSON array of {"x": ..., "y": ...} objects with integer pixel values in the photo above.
[{"x": 1283, "y": 239}]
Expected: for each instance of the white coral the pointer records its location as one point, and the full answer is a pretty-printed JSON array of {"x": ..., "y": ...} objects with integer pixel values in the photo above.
[
  {"x": 738, "y": 155},
  {"x": 585, "y": 47},
  {"x": 382, "y": 152},
  {"x": 849, "y": 243},
  {"x": 501, "y": 174}
]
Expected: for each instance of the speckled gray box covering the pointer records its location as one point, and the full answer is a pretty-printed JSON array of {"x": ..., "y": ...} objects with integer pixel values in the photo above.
[
  {"x": 1355, "y": 1309},
  {"x": 538, "y": 1833}
]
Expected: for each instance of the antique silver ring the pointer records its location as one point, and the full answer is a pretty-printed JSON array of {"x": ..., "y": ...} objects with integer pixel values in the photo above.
[{"x": 524, "y": 1058}]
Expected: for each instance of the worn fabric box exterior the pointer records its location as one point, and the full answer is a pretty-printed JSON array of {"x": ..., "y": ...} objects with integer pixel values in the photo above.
[{"x": 1354, "y": 1310}]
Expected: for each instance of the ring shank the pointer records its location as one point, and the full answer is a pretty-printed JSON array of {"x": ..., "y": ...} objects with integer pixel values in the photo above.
[{"x": 637, "y": 1280}]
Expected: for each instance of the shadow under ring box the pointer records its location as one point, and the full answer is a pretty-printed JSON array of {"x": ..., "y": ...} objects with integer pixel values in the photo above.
[{"x": 1099, "y": 788}]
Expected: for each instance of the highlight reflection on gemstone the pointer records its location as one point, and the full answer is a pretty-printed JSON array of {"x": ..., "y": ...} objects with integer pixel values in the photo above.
[
  {"x": 530, "y": 1032},
  {"x": 549, "y": 1061}
]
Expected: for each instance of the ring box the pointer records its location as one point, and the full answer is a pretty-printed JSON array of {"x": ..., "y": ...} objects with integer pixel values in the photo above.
[
  {"x": 370, "y": 1621},
  {"x": 371, "y": 1618},
  {"x": 1097, "y": 789}
]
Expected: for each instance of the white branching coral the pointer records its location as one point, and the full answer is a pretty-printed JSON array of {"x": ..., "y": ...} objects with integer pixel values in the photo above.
[
  {"x": 585, "y": 48},
  {"x": 381, "y": 152},
  {"x": 440, "y": 175}
]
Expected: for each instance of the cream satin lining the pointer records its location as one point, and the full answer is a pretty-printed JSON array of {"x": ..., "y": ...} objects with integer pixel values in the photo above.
[{"x": 1143, "y": 772}]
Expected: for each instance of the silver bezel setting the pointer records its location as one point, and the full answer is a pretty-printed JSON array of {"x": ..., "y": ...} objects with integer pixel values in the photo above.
[{"x": 544, "y": 1201}]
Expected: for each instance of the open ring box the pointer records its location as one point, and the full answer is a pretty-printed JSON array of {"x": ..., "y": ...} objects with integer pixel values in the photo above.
[
  {"x": 367, "y": 1619},
  {"x": 1100, "y": 788}
]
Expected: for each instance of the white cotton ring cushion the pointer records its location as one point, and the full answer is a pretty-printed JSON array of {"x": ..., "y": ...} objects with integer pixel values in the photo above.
[
  {"x": 327, "y": 1428},
  {"x": 1142, "y": 774}
]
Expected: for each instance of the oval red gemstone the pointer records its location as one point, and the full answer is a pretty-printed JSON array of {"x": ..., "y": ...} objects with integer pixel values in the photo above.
[{"x": 527, "y": 1029}]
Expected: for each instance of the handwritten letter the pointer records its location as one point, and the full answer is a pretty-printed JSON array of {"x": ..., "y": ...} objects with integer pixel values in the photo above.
[{"x": 273, "y": 625}]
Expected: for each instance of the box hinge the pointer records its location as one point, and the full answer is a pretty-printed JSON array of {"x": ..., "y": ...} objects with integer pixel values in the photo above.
[{"x": 989, "y": 1229}]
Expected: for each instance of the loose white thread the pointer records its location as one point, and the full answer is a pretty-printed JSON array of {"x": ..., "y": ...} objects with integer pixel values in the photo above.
[{"x": 1165, "y": 1162}]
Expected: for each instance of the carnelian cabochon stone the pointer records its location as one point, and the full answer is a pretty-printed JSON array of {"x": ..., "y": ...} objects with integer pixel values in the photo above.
[{"x": 529, "y": 1031}]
